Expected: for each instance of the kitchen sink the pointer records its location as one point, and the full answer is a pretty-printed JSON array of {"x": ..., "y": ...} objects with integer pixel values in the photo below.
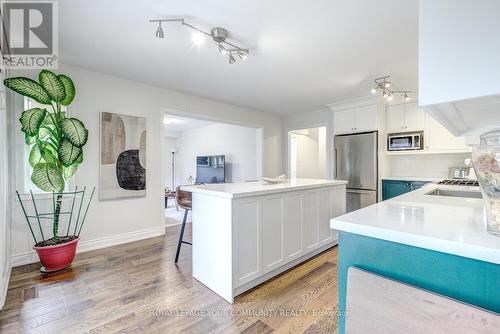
[{"x": 455, "y": 193}]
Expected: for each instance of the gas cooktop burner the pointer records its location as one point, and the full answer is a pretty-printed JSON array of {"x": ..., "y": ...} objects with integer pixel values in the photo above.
[{"x": 460, "y": 182}]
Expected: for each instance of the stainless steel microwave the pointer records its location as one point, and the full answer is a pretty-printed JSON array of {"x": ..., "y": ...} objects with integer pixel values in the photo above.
[{"x": 405, "y": 141}]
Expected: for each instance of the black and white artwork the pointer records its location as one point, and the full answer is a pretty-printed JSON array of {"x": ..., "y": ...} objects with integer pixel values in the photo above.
[{"x": 122, "y": 156}]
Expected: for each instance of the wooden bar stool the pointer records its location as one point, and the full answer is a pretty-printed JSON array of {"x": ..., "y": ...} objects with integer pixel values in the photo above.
[{"x": 184, "y": 201}]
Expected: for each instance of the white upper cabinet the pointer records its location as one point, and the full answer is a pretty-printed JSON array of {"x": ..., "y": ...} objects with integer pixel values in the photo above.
[
  {"x": 356, "y": 119},
  {"x": 438, "y": 138},
  {"x": 404, "y": 118},
  {"x": 343, "y": 121},
  {"x": 366, "y": 118}
]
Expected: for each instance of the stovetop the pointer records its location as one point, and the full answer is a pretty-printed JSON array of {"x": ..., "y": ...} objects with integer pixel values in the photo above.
[{"x": 460, "y": 182}]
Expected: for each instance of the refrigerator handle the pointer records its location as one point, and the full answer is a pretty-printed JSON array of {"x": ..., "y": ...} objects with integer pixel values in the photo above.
[{"x": 335, "y": 157}]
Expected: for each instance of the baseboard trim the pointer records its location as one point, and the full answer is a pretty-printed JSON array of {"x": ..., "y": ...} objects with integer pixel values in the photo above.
[{"x": 90, "y": 245}]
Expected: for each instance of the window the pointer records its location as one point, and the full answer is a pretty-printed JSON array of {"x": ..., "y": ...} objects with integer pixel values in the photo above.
[{"x": 28, "y": 185}]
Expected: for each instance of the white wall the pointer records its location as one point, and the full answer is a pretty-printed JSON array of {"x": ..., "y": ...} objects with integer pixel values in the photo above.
[
  {"x": 118, "y": 221},
  {"x": 311, "y": 153},
  {"x": 306, "y": 120},
  {"x": 459, "y": 50},
  {"x": 240, "y": 144},
  {"x": 432, "y": 165}
]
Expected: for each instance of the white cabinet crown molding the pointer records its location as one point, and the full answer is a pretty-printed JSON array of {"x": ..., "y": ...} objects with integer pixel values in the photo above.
[{"x": 353, "y": 103}]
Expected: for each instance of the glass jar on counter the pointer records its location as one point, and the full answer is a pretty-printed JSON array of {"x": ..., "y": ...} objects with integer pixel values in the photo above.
[{"x": 486, "y": 162}]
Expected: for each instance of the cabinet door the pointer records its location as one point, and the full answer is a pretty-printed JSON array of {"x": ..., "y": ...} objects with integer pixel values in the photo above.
[
  {"x": 414, "y": 119},
  {"x": 414, "y": 185},
  {"x": 272, "y": 232},
  {"x": 394, "y": 121},
  {"x": 310, "y": 225},
  {"x": 325, "y": 213},
  {"x": 439, "y": 138},
  {"x": 343, "y": 121},
  {"x": 391, "y": 188},
  {"x": 338, "y": 205},
  {"x": 292, "y": 230},
  {"x": 248, "y": 216},
  {"x": 366, "y": 118}
]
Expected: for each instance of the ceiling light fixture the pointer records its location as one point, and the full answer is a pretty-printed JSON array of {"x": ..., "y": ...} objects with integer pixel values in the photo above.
[
  {"x": 382, "y": 85},
  {"x": 159, "y": 31},
  {"x": 218, "y": 34},
  {"x": 231, "y": 58}
]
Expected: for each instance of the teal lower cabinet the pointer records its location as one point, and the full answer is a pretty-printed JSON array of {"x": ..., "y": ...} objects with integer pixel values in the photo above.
[
  {"x": 471, "y": 281},
  {"x": 393, "y": 188}
]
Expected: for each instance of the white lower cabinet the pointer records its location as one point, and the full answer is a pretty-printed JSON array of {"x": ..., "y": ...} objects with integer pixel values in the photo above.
[
  {"x": 310, "y": 228},
  {"x": 294, "y": 218},
  {"x": 248, "y": 237},
  {"x": 242, "y": 239},
  {"x": 273, "y": 230}
]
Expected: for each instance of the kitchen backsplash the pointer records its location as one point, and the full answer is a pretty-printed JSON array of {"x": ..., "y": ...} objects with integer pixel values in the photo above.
[{"x": 432, "y": 165}]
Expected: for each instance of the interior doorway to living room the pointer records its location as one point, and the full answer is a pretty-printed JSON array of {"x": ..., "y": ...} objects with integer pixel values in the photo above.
[
  {"x": 206, "y": 151},
  {"x": 307, "y": 154}
]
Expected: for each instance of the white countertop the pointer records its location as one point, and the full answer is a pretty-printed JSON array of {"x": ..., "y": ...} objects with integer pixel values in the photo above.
[
  {"x": 450, "y": 225},
  {"x": 411, "y": 178},
  {"x": 255, "y": 188}
]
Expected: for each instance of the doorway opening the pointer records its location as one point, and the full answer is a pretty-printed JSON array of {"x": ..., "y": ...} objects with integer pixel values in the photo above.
[
  {"x": 307, "y": 154},
  {"x": 200, "y": 151}
]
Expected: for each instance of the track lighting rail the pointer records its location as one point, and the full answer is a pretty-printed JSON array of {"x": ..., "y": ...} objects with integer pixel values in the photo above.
[{"x": 217, "y": 34}]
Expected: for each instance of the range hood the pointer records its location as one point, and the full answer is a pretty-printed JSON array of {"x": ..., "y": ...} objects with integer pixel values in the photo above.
[{"x": 466, "y": 117}]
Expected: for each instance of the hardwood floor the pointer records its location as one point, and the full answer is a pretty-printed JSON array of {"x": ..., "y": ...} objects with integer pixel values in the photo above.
[{"x": 136, "y": 288}]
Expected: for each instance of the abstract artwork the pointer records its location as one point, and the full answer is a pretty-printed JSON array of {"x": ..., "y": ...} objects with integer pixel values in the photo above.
[{"x": 122, "y": 156}]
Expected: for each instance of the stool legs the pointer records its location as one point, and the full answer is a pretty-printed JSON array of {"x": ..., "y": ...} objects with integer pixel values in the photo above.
[{"x": 181, "y": 237}]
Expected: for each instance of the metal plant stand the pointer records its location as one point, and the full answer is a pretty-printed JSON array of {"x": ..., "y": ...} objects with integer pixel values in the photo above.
[{"x": 62, "y": 213}]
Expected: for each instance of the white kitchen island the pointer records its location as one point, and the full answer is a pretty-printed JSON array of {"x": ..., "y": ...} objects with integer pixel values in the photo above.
[{"x": 246, "y": 233}]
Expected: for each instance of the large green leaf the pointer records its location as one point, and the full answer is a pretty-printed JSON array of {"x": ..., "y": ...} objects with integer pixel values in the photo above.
[
  {"x": 80, "y": 159},
  {"x": 68, "y": 153},
  {"x": 52, "y": 85},
  {"x": 29, "y": 88},
  {"x": 69, "y": 171},
  {"x": 35, "y": 156},
  {"x": 69, "y": 88},
  {"x": 30, "y": 140},
  {"x": 38, "y": 155},
  {"x": 47, "y": 177},
  {"x": 31, "y": 120},
  {"x": 74, "y": 130}
]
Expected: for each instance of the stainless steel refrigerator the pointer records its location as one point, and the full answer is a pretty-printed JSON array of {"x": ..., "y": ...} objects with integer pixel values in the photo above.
[{"x": 356, "y": 161}]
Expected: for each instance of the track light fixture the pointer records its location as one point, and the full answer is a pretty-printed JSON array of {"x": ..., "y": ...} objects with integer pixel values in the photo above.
[
  {"x": 159, "y": 31},
  {"x": 219, "y": 35},
  {"x": 383, "y": 84},
  {"x": 231, "y": 58}
]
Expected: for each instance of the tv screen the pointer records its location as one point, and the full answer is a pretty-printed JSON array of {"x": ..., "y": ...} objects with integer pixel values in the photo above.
[{"x": 210, "y": 169}]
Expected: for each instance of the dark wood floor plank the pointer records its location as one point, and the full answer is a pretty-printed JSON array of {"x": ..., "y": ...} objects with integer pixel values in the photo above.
[{"x": 136, "y": 288}]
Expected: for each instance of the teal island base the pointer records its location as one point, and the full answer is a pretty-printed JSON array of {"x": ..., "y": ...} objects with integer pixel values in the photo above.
[{"x": 471, "y": 281}]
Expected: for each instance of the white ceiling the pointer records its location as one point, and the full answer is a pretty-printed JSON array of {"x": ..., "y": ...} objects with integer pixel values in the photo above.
[
  {"x": 304, "y": 54},
  {"x": 174, "y": 125}
]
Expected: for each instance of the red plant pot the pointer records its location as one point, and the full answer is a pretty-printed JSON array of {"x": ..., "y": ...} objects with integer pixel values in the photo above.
[{"x": 57, "y": 257}]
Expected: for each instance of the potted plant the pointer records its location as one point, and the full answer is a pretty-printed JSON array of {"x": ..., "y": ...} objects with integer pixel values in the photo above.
[{"x": 56, "y": 142}]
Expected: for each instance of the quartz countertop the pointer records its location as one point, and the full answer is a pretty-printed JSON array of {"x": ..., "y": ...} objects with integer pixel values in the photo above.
[
  {"x": 255, "y": 188},
  {"x": 453, "y": 225}
]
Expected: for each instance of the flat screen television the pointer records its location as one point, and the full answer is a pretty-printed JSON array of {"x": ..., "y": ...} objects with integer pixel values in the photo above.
[{"x": 210, "y": 169}]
